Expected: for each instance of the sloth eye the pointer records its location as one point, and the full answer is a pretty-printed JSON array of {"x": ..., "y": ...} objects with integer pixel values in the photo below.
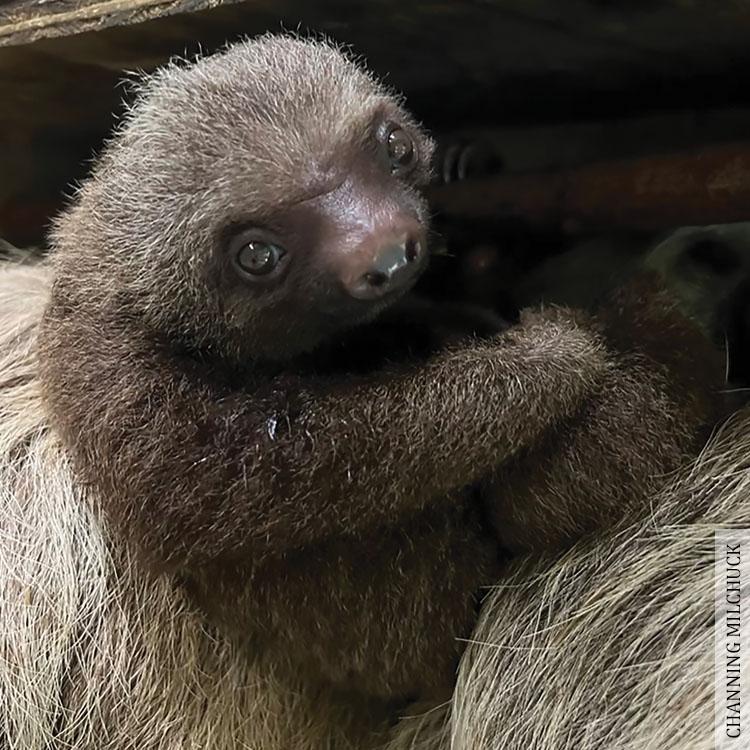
[
  {"x": 400, "y": 149},
  {"x": 258, "y": 258}
]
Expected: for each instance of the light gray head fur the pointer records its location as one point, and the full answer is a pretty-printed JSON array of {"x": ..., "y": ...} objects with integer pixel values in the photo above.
[{"x": 230, "y": 139}]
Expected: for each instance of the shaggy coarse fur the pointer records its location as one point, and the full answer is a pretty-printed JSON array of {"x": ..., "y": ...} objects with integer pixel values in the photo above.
[
  {"x": 312, "y": 513},
  {"x": 610, "y": 645}
]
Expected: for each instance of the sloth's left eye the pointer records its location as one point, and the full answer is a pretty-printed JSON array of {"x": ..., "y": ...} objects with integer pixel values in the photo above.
[
  {"x": 258, "y": 258},
  {"x": 400, "y": 148}
]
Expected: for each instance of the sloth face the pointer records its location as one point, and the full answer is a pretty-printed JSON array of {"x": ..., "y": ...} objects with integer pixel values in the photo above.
[
  {"x": 258, "y": 201},
  {"x": 326, "y": 262}
]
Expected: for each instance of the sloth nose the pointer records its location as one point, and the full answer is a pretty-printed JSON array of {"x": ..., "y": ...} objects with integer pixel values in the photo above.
[{"x": 392, "y": 266}]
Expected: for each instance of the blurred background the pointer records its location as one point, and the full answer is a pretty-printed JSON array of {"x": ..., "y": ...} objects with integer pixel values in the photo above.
[{"x": 574, "y": 136}]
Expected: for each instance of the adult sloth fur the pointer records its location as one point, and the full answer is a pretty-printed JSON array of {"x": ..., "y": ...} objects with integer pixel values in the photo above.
[{"x": 612, "y": 644}]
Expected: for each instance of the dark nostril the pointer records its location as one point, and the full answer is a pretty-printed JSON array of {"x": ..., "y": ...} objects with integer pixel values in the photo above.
[
  {"x": 412, "y": 250},
  {"x": 391, "y": 267},
  {"x": 376, "y": 278}
]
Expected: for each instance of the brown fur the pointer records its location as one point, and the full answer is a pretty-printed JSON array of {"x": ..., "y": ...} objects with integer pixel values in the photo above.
[
  {"x": 607, "y": 645},
  {"x": 96, "y": 653},
  {"x": 649, "y": 417},
  {"x": 310, "y": 512}
]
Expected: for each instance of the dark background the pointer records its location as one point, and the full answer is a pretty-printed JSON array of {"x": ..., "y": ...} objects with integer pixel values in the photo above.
[{"x": 549, "y": 84}]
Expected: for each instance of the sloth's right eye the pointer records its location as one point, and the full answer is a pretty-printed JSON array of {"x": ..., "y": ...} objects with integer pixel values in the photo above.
[
  {"x": 258, "y": 258},
  {"x": 400, "y": 149},
  {"x": 255, "y": 257},
  {"x": 397, "y": 150}
]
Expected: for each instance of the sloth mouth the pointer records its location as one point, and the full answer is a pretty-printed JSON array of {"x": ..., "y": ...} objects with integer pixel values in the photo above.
[{"x": 365, "y": 311}]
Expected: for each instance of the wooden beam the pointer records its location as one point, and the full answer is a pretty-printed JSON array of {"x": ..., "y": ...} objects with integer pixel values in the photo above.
[
  {"x": 22, "y": 21},
  {"x": 706, "y": 186}
]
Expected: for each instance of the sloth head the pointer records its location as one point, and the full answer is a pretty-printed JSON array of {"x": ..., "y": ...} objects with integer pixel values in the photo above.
[{"x": 253, "y": 203}]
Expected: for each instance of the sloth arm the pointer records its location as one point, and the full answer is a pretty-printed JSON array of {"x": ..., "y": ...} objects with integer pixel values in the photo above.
[
  {"x": 605, "y": 464},
  {"x": 191, "y": 469}
]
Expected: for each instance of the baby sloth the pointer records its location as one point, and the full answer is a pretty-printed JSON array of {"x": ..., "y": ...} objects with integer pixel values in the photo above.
[{"x": 224, "y": 262}]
